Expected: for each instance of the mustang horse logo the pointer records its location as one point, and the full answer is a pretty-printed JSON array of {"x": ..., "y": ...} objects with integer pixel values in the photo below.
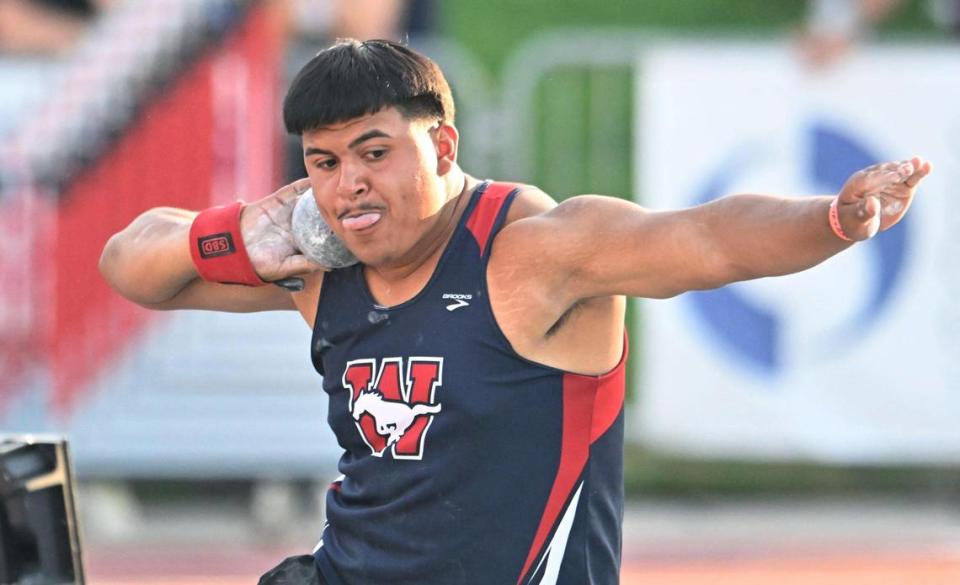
[
  {"x": 393, "y": 411},
  {"x": 393, "y": 418}
]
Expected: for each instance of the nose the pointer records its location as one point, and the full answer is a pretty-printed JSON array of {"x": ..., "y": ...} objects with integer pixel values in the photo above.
[{"x": 352, "y": 181}]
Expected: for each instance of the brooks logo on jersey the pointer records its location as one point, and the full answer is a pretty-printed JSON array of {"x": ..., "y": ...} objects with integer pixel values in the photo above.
[
  {"x": 459, "y": 301},
  {"x": 395, "y": 411}
]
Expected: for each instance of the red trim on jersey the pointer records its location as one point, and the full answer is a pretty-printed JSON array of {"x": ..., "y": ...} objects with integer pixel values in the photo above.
[
  {"x": 590, "y": 405},
  {"x": 574, "y": 450},
  {"x": 609, "y": 396},
  {"x": 485, "y": 213}
]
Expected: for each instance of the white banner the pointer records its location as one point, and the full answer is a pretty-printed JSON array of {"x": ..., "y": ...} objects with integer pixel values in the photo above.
[{"x": 856, "y": 360}]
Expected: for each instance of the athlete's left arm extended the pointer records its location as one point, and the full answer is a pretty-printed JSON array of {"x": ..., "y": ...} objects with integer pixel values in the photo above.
[{"x": 605, "y": 246}]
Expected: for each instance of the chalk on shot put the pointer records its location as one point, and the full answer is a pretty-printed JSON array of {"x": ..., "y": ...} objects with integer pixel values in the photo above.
[
  {"x": 315, "y": 240},
  {"x": 314, "y": 237}
]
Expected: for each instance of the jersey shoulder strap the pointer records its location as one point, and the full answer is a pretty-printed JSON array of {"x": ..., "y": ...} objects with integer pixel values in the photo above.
[{"x": 490, "y": 212}]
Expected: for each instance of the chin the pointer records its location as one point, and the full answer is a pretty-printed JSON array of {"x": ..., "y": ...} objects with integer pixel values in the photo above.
[
  {"x": 371, "y": 258},
  {"x": 377, "y": 254}
]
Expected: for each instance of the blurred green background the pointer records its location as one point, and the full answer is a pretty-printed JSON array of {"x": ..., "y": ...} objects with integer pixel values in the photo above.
[
  {"x": 584, "y": 144},
  {"x": 570, "y": 100}
]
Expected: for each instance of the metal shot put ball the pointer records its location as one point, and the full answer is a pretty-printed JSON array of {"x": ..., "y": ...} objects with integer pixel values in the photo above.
[{"x": 315, "y": 238}]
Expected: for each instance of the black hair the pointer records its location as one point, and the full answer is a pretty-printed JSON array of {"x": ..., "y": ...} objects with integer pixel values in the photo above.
[{"x": 351, "y": 79}]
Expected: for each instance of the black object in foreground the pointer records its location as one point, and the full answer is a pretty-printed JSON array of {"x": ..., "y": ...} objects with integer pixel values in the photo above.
[
  {"x": 39, "y": 539},
  {"x": 299, "y": 570}
]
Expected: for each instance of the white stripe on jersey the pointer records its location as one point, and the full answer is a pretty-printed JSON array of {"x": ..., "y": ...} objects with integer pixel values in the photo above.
[{"x": 558, "y": 544}]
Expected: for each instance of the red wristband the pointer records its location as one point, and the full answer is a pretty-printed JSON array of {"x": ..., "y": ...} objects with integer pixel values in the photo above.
[
  {"x": 217, "y": 249},
  {"x": 834, "y": 216}
]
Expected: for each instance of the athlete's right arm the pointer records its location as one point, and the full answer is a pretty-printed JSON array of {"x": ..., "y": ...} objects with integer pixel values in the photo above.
[{"x": 149, "y": 261}]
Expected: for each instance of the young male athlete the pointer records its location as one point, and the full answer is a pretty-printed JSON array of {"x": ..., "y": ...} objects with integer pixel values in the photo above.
[{"x": 474, "y": 358}]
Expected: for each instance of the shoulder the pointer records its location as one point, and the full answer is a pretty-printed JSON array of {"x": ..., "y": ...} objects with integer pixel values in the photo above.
[
  {"x": 530, "y": 201},
  {"x": 581, "y": 217},
  {"x": 529, "y": 213},
  {"x": 561, "y": 239},
  {"x": 530, "y": 285},
  {"x": 517, "y": 245}
]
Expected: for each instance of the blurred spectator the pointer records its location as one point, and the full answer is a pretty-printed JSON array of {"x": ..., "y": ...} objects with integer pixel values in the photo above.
[
  {"x": 34, "y": 35},
  {"x": 44, "y": 26},
  {"x": 313, "y": 25},
  {"x": 324, "y": 22},
  {"x": 834, "y": 27},
  {"x": 946, "y": 15}
]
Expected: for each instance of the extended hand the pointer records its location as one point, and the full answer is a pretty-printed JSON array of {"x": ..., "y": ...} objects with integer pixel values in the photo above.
[
  {"x": 875, "y": 198},
  {"x": 265, "y": 225}
]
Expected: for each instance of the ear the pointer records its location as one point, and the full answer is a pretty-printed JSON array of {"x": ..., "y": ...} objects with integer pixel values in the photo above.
[{"x": 447, "y": 139}]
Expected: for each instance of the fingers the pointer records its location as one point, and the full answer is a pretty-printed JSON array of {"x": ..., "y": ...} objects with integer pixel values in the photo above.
[
  {"x": 279, "y": 205},
  {"x": 870, "y": 181},
  {"x": 910, "y": 172},
  {"x": 919, "y": 169},
  {"x": 290, "y": 193},
  {"x": 296, "y": 265},
  {"x": 877, "y": 197},
  {"x": 301, "y": 185},
  {"x": 299, "y": 264},
  {"x": 888, "y": 178}
]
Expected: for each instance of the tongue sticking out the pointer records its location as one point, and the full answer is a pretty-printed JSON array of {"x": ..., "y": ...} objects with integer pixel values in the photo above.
[{"x": 361, "y": 221}]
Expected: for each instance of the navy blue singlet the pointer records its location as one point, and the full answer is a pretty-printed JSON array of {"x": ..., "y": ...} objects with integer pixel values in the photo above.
[{"x": 463, "y": 462}]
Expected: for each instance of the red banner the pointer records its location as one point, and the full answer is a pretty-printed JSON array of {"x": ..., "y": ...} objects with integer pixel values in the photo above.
[{"x": 212, "y": 136}]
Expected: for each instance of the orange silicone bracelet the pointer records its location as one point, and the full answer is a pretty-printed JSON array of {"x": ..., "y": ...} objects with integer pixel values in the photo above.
[{"x": 834, "y": 216}]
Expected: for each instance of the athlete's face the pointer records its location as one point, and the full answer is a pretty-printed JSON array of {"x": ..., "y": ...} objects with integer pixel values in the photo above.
[{"x": 378, "y": 182}]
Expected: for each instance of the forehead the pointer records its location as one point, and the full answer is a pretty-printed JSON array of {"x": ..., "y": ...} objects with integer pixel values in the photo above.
[{"x": 389, "y": 120}]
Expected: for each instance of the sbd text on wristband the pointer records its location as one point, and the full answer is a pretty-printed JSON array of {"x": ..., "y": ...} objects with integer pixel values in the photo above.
[{"x": 217, "y": 249}]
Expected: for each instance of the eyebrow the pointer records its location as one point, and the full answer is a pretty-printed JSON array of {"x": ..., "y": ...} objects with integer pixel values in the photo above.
[{"x": 355, "y": 143}]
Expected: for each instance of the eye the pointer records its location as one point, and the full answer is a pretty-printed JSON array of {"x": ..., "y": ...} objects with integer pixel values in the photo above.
[
  {"x": 376, "y": 153},
  {"x": 325, "y": 163}
]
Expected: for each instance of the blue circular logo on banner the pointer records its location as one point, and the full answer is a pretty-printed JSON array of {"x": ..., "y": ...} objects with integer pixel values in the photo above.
[{"x": 753, "y": 333}]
